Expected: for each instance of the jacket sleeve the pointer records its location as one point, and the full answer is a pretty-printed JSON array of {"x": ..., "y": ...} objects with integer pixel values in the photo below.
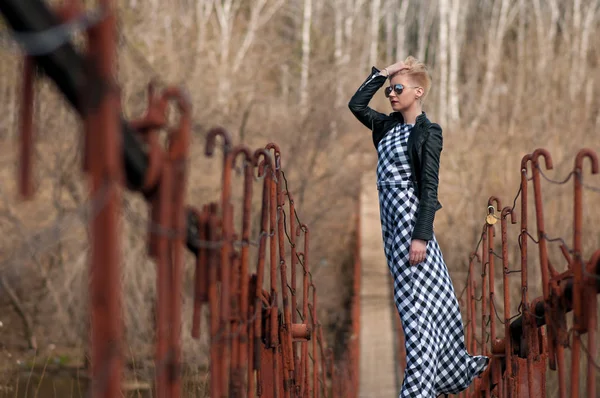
[
  {"x": 432, "y": 148},
  {"x": 360, "y": 100}
]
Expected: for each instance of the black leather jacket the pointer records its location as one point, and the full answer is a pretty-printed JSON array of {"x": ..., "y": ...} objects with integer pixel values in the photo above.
[{"x": 424, "y": 149}]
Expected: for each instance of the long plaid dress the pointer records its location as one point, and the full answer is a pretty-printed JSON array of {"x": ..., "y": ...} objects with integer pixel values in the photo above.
[{"x": 437, "y": 361}]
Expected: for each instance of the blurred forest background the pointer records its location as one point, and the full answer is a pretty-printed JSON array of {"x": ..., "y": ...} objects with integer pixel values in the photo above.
[{"x": 509, "y": 76}]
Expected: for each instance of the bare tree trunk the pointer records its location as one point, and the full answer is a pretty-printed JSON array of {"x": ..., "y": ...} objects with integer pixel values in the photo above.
[
  {"x": 591, "y": 13},
  {"x": 575, "y": 48},
  {"x": 502, "y": 16},
  {"x": 457, "y": 15},
  {"x": 374, "y": 31},
  {"x": 225, "y": 11},
  {"x": 305, "y": 67},
  {"x": 401, "y": 30},
  {"x": 260, "y": 15},
  {"x": 519, "y": 84},
  {"x": 426, "y": 17},
  {"x": 203, "y": 12},
  {"x": 442, "y": 62},
  {"x": 389, "y": 30},
  {"x": 338, "y": 57},
  {"x": 353, "y": 10},
  {"x": 317, "y": 18},
  {"x": 546, "y": 30}
]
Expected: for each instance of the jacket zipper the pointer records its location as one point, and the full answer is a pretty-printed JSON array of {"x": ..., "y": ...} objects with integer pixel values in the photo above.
[{"x": 368, "y": 81}]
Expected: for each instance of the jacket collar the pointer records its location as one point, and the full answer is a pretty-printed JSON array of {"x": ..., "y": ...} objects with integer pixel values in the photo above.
[{"x": 398, "y": 116}]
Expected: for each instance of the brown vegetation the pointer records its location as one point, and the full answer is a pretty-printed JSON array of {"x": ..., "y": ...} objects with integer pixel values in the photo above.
[{"x": 509, "y": 76}]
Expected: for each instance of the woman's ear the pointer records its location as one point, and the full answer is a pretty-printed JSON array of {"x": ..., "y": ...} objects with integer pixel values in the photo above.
[{"x": 419, "y": 92}]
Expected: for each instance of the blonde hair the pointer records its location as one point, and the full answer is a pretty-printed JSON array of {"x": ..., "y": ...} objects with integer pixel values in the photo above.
[{"x": 418, "y": 72}]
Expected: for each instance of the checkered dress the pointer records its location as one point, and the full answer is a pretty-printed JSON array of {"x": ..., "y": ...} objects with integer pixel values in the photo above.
[{"x": 437, "y": 361}]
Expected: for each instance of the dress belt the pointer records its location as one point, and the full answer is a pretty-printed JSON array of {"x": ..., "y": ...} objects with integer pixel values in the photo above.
[{"x": 394, "y": 184}]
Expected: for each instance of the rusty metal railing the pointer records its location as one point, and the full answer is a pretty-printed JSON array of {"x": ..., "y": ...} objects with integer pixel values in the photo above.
[
  {"x": 262, "y": 341},
  {"x": 527, "y": 350}
]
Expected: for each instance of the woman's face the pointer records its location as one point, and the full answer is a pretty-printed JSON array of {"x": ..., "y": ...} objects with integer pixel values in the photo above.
[{"x": 407, "y": 97}]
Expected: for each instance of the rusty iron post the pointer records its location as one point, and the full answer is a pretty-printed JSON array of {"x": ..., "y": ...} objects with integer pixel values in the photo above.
[
  {"x": 164, "y": 185},
  {"x": 201, "y": 276},
  {"x": 265, "y": 171},
  {"x": 556, "y": 351},
  {"x": 101, "y": 126},
  {"x": 304, "y": 372},
  {"x": 239, "y": 371},
  {"x": 509, "y": 379},
  {"x": 491, "y": 233},
  {"x": 484, "y": 386},
  {"x": 354, "y": 366},
  {"x": 273, "y": 316},
  {"x": 225, "y": 254},
  {"x": 156, "y": 188},
  {"x": 251, "y": 383},
  {"x": 179, "y": 143},
  {"x": 213, "y": 264},
  {"x": 581, "y": 317},
  {"x": 317, "y": 340},
  {"x": 287, "y": 351},
  {"x": 294, "y": 302},
  {"x": 529, "y": 336}
]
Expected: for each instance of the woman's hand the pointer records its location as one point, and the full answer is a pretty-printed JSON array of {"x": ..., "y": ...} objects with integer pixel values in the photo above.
[
  {"x": 393, "y": 68},
  {"x": 418, "y": 249}
]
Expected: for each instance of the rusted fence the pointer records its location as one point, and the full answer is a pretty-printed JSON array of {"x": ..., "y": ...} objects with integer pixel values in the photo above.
[
  {"x": 263, "y": 342},
  {"x": 536, "y": 338}
]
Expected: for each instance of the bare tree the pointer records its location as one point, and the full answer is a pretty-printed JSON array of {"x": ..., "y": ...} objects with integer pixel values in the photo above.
[
  {"x": 426, "y": 16},
  {"x": 204, "y": 9},
  {"x": 442, "y": 61},
  {"x": 401, "y": 27},
  {"x": 305, "y": 67},
  {"x": 389, "y": 9},
  {"x": 455, "y": 33},
  {"x": 374, "y": 30},
  {"x": 503, "y": 13}
]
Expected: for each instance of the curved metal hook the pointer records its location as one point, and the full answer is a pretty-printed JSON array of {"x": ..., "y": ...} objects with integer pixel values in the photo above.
[
  {"x": 241, "y": 150},
  {"x": 211, "y": 138},
  {"x": 543, "y": 153},
  {"x": 506, "y": 211},
  {"x": 265, "y": 165},
  {"x": 301, "y": 228},
  {"x": 277, "y": 152},
  {"x": 587, "y": 153},
  {"x": 524, "y": 160},
  {"x": 493, "y": 199}
]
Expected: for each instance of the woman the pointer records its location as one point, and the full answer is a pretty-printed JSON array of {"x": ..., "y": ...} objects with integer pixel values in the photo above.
[{"x": 409, "y": 147}]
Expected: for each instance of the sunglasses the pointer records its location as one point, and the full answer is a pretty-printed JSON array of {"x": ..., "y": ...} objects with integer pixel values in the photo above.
[{"x": 398, "y": 88}]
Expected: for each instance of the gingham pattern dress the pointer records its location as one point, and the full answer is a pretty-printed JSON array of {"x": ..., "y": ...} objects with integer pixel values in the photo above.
[{"x": 436, "y": 358}]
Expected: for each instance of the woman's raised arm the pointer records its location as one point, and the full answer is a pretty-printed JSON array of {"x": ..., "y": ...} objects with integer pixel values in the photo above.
[{"x": 359, "y": 103}]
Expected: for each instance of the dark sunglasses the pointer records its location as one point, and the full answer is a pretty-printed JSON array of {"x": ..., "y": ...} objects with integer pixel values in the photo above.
[{"x": 398, "y": 88}]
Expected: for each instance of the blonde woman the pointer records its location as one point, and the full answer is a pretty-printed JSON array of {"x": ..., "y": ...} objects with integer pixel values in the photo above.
[{"x": 409, "y": 147}]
